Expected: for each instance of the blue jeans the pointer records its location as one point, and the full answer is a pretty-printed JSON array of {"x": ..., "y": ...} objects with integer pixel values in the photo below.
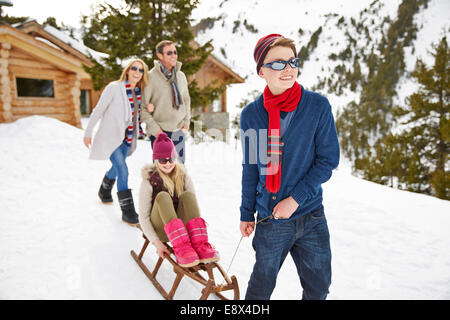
[
  {"x": 119, "y": 167},
  {"x": 178, "y": 139},
  {"x": 307, "y": 240}
]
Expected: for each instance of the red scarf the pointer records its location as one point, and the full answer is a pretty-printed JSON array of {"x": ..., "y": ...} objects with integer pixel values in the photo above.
[{"x": 287, "y": 101}]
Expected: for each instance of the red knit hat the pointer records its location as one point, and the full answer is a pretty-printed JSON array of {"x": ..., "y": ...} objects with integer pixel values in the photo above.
[
  {"x": 163, "y": 147},
  {"x": 262, "y": 47}
]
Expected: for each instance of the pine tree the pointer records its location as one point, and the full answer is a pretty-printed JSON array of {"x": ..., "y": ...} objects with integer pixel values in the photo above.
[
  {"x": 428, "y": 116},
  {"x": 417, "y": 157},
  {"x": 386, "y": 164},
  {"x": 12, "y": 19},
  {"x": 133, "y": 30},
  {"x": 365, "y": 122}
]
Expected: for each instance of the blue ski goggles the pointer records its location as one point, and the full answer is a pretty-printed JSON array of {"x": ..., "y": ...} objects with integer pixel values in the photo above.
[{"x": 281, "y": 64}]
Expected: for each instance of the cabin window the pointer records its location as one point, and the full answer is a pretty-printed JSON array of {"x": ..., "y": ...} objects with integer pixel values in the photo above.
[
  {"x": 85, "y": 102},
  {"x": 217, "y": 104},
  {"x": 40, "y": 88}
]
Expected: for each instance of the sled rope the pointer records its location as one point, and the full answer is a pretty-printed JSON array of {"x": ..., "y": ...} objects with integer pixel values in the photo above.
[{"x": 237, "y": 248}]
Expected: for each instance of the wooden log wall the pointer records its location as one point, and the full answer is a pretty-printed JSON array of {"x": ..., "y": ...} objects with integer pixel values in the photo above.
[
  {"x": 5, "y": 88},
  {"x": 75, "y": 92},
  {"x": 65, "y": 105}
]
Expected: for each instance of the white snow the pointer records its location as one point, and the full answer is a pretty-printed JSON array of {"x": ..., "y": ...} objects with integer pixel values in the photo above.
[
  {"x": 76, "y": 44},
  {"x": 57, "y": 241}
]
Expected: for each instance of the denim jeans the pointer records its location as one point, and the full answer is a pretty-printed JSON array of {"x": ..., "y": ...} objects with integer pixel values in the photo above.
[
  {"x": 119, "y": 167},
  {"x": 307, "y": 240},
  {"x": 178, "y": 139}
]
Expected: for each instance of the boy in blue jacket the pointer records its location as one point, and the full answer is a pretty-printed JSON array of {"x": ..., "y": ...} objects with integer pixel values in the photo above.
[{"x": 290, "y": 148}]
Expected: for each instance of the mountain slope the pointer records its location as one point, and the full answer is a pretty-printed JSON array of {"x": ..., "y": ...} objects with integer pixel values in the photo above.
[{"x": 235, "y": 27}]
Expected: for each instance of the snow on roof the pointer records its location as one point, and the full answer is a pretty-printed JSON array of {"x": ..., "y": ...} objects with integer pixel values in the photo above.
[
  {"x": 48, "y": 43},
  {"x": 18, "y": 24},
  {"x": 76, "y": 44}
]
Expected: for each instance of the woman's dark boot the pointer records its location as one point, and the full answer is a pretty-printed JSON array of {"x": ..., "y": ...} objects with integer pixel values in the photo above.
[
  {"x": 105, "y": 190},
  {"x": 129, "y": 215}
]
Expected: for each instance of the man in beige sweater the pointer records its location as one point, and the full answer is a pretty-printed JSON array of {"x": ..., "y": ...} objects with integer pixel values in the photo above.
[{"x": 167, "y": 98}]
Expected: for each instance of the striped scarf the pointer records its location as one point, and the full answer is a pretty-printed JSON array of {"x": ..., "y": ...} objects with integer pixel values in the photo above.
[
  {"x": 171, "y": 76},
  {"x": 287, "y": 101},
  {"x": 130, "y": 129}
]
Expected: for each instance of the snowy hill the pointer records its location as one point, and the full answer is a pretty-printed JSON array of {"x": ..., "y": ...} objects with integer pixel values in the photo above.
[
  {"x": 235, "y": 26},
  {"x": 57, "y": 241}
]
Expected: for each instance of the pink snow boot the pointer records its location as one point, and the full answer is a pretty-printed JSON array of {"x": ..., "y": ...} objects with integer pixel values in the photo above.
[
  {"x": 181, "y": 244},
  {"x": 199, "y": 239}
]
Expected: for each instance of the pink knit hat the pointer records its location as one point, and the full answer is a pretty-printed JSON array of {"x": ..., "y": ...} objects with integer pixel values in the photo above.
[{"x": 163, "y": 147}]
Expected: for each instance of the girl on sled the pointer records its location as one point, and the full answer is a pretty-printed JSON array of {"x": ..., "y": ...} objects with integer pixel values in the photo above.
[{"x": 168, "y": 209}]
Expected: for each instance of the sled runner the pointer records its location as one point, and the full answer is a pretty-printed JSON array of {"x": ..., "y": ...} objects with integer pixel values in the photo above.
[{"x": 209, "y": 284}]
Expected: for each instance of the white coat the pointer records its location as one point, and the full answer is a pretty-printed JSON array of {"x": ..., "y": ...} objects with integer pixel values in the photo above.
[{"x": 114, "y": 111}]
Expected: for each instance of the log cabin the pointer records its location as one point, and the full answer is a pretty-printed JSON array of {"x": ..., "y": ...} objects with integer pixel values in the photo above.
[{"x": 40, "y": 75}]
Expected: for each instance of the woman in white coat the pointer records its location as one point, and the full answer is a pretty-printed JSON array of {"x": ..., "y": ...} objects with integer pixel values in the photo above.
[{"x": 117, "y": 133}]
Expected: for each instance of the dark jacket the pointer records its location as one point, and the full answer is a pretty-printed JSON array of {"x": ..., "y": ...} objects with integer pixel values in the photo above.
[{"x": 310, "y": 153}]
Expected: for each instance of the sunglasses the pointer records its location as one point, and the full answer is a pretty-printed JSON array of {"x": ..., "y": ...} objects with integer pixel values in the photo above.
[
  {"x": 134, "y": 68},
  {"x": 164, "y": 161},
  {"x": 281, "y": 64},
  {"x": 169, "y": 53}
]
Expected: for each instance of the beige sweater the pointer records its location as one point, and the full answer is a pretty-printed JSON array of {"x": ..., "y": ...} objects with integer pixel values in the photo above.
[
  {"x": 145, "y": 201},
  {"x": 158, "y": 91}
]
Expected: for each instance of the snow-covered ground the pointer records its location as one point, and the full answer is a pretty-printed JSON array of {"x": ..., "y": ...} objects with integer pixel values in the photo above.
[{"x": 57, "y": 241}]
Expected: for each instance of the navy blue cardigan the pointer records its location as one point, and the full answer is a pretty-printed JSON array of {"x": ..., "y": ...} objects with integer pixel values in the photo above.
[{"x": 310, "y": 153}]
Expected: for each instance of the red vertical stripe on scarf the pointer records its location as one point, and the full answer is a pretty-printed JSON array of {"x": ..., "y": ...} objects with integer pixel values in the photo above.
[{"x": 287, "y": 101}]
